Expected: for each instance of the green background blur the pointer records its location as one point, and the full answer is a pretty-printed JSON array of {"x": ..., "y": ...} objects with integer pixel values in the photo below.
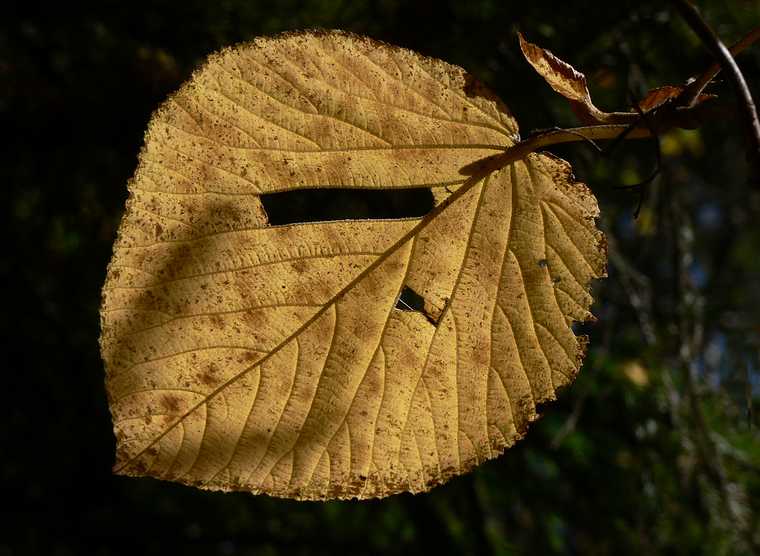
[{"x": 654, "y": 450}]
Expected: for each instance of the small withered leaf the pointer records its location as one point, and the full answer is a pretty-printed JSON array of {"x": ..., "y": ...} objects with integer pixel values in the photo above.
[{"x": 564, "y": 79}]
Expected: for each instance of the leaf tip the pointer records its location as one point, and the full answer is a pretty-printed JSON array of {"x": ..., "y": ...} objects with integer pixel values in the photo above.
[{"x": 564, "y": 79}]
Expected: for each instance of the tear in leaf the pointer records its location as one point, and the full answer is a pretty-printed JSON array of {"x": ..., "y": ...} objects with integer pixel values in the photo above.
[{"x": 410, "y": 300}]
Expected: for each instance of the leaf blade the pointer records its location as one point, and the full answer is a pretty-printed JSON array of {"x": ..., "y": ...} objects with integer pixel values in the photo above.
[{"x": 293, "y": 373}]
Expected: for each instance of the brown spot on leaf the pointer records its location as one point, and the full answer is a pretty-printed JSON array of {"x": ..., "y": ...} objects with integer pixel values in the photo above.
[
  {"x": 208, "y": 376},
  {"x": 170, "y": 403},
  {"x": 299, "y": 266}
]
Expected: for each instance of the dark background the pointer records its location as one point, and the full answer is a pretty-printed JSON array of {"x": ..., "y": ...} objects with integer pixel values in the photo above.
[{"x": 654, "y": 449}]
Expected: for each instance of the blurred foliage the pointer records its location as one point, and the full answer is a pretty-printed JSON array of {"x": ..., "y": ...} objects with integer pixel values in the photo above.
[{"x": 655, "y": 449}]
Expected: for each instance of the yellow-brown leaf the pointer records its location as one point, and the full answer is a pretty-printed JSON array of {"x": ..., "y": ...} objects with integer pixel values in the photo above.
[{"x": 246, "y": 356}]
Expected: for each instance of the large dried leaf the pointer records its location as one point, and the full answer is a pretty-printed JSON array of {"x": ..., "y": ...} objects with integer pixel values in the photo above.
[{"x": 246, "y": 356}]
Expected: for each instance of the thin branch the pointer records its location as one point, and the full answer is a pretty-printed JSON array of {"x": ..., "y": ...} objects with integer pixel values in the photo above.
[
  {"x": 554, "y": 136},
  {"x": 569, "y": 425},
  {"x": 689, "y": 336},
  {"x": 637, "y": 286},
  {"x": 748, "y": 395},
  {"x": 692, "y": 91},
  {"x": 744, "y": 97},
  {"x": 641, "y": 187}
]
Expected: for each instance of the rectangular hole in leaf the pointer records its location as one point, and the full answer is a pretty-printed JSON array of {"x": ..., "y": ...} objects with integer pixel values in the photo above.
[{"x": 325, "y": 204}]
